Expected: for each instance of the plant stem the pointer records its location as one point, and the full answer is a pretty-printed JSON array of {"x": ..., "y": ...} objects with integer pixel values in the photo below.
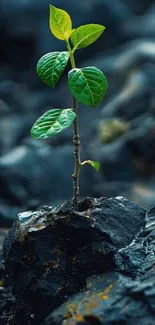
[{"x": 76, "y": 141}]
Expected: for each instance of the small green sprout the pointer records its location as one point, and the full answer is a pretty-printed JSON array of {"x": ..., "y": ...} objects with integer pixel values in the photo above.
[{"x": 87, "y": 85}]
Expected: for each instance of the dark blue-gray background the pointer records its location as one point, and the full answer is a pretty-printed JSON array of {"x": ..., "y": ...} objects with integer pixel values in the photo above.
[{"x": 120, "y": 133}]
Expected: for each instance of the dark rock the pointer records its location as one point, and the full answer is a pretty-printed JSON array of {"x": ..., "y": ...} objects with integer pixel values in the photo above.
[
  {"x": 30, "y": 166},
  {"x": 122, "y": 302},
  {"x": 6, "y": 304},
  {"x": 132, "y": 99},
  {"x": 85, "y": 306},
  {"x": 142, "y": 26},
  {"x": 121, "y": 297},
  {"x": 115, "y": 160},
  {"x": 140, "y": 254},
  {"x": 141, "y": 192},
  {"x": 3, "y": 233},
  {"x": 7, "y": 213},
  {"x": 127, "y": 60},
  {"x": 140, "y": 143},
  {"x": 6, "y": 298},
  {"x": 108, "y": 188},
  {"x": 139, "y": 7},
  {"x": 14, "y": 127},
  {"x": 14, "y": 95},
  {"x": 51, "y": 252},
  {"x": 131, "y": 155}
]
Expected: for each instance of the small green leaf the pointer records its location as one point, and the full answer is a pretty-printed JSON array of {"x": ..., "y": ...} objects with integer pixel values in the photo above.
[
  {"x": 86, "y": 35},
  {"x": 60, "y": 23},
  {"x": 50, "y": 67},
  {"x": 88, "y": 85},
  {"x": 94, "y": 164},
  {"x": 52, "y": 122}
]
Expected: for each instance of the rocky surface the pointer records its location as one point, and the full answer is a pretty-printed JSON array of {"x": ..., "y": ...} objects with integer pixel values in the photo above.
[
  {"x": 49, "y": 254},
  {"x": 31, "y": 172},
  {"x": 125, "y": 296},
  {"x": 96, "y": 266},
  {"x": 6, "y": 298}
]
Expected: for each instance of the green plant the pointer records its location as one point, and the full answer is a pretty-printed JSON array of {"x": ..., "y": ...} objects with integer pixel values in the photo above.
[{"x": 87, "y": 85}]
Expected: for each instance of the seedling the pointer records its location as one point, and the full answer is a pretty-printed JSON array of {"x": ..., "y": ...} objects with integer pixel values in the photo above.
[{"x": 87, "y": 85}]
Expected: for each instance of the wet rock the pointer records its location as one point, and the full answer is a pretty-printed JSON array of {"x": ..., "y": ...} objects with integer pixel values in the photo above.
[
  {"x": 139, "y": 7},
  {"x": 141, "y": 192},
  {"x": 141, "y": 26},
  {"x": 85, "y": 306},
  {"x": 132, "y": 153},
  {"x": 140, "y": 143},
  {"x": 6, "y": 304},
  {"x": 115, "y": 160},
  {"x": 14, "y": 127},
  {"x": 132, "y": 99},
  {"x": 7, "y": 213},
  {"x": 15, "y": 95},
  {"x": 127, "y": 60},
  {"x": 121, "y": 297},
  {"x": 111, "y": 129},
  {"x": 129, "y": 157},
  {"x": 127, "y": 162},
  {"x": 140, "y": 254},
  {"x": 30, "y": 166},
  {"x": 51, "y": 252},
  {"x": 111, "y": 306},
  {"x": 6, "y": 298}
]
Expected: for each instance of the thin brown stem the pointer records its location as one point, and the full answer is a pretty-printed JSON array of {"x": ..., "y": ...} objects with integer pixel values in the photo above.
[{"x": 76, "y": 142}]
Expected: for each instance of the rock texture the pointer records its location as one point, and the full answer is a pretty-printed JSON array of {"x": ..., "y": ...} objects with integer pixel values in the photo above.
[
  {"x": 124, "y": 296},
  {"x": 49, "y": 254},
  {"x": 29, "y": 170}
]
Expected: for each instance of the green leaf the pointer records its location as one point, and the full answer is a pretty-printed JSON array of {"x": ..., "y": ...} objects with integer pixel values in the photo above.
[
  {"x": 60, "y": 23},
  {"x": 52, "y": 122},
  {"x": 94, "y": 164},
  {"x": 50, "y": 67},
  {"x": 88, "y": 85},
  {"x": 86, "y": 35}
]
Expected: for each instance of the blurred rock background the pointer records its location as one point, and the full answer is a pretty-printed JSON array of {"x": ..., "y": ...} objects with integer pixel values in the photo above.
[{"x": 120, "y": 133}]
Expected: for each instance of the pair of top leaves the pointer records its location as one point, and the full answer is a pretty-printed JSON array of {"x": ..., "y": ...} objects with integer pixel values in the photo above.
[{"x": 88, "y": 85}]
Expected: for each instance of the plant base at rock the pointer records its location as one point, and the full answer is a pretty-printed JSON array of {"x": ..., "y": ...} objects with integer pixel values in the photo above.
[{"x": 50, "y": 254}]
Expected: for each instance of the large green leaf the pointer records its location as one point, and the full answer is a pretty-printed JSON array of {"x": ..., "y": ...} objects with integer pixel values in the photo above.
[
  {"x": 50, "y": 67},
  {"x": 88, "y": 85},
  {"x": 52, "y": 122},
  {"x": 60, "y": 23},
  {"x": 86, "y": 35}
]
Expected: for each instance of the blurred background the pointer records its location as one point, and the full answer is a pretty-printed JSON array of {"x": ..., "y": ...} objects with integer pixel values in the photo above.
[{"x": 120, "y": 133}]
